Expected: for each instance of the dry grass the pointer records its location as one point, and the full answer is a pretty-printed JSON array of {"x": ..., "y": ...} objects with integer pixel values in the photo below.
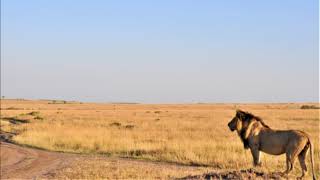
[
  {"x": 186, "y": 134},
  {"x": 114, "y": 168}
]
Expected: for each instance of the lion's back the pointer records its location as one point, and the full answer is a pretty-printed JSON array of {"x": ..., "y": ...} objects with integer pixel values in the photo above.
[{"x": 279, "y": 141}]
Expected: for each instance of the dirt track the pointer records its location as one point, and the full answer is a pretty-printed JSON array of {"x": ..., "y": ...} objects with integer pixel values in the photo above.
[
  {"x": 27, "y": 163},
  {"x": 18, "y": 162}
]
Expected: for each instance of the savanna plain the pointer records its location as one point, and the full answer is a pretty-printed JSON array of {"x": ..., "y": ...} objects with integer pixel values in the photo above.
[{"x": 176, "y": 136}]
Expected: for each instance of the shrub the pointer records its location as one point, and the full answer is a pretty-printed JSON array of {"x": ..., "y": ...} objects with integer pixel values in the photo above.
[
  {"x": 129, "y": 126},
  {"x": 34, "y": 113},
  {"x": 309, "y": 107},
  {"x": 117, "y": 124},
  {"x": 38, "y": 118}
]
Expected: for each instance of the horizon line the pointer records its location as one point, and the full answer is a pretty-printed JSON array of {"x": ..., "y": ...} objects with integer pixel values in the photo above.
[{"x": 169, "y": 103}]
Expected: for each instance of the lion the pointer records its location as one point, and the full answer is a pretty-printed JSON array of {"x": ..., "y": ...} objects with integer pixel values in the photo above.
[{"x": 257, "y": 136}]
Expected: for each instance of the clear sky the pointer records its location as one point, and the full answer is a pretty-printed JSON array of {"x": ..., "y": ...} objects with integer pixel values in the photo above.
[{"x": 168, "y": 51}]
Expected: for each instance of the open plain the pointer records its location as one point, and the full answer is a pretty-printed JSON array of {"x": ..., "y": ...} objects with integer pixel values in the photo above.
[{"x": 145, "y": 141}]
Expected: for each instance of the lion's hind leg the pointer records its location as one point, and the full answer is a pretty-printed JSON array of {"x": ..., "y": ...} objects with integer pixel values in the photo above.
[
  {"x": 293, "y": 150},
  {"x": 302, "y": 157},
  {"x": 291, "y": 156}
]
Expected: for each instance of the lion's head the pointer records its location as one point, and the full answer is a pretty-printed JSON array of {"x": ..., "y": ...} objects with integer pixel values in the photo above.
[{"x": 239, "y": 122}]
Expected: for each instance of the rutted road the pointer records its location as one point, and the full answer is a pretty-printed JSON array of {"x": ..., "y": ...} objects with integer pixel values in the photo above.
[{"x": 20, "y": 162}]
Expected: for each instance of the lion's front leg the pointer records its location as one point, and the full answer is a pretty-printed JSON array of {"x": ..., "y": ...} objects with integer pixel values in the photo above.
[{"x": 256, "y": 155}]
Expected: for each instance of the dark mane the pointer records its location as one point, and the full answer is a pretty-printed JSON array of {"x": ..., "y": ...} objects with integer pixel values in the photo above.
[{"x": 248, "y": 116}]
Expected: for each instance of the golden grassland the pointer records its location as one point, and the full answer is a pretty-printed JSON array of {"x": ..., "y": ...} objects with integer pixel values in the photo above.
[{"x": 191, "y": 134}]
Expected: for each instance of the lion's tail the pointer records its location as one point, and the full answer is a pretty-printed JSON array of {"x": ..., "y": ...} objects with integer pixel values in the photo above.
[{"x": 311, "y": 158}]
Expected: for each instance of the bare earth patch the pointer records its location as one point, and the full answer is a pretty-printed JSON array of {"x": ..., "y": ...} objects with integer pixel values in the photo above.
[{"x": 27, "y": 163}]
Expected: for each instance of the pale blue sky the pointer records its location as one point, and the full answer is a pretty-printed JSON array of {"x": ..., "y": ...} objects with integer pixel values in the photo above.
[{"x": 173, "y": 51}]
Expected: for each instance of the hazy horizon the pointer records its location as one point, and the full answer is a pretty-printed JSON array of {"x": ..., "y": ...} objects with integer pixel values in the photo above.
[
  {"x": 160, "y": 52},
  {"x": 151, "y": 103}
]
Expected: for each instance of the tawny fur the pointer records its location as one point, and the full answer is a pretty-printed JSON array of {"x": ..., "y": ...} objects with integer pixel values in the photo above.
[{"x": 257, "y": 136}]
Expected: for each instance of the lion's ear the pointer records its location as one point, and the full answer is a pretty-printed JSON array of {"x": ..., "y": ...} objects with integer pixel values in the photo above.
[{"x": 240, "y": 114}]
